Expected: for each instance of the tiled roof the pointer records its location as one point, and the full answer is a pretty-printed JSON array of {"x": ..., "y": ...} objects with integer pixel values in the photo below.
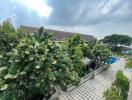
[{"x": 57, "y": 35}]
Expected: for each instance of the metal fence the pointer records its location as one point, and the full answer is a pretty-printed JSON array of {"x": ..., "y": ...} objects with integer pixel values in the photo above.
[
  {"x": 60, "y": 95},
  {"x": 88, "y": 76}
]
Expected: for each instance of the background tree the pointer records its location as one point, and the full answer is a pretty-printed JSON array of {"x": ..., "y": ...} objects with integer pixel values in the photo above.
[
  {"x": 7, "y": 27},
  {"x": 99, "y": 55},
  {"x": 117, "y": 39},
  {"x": 8, "y": 36}
]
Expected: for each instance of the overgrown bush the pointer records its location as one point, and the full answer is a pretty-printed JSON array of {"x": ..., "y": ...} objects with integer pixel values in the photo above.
[
  {"x": 112, "y": 94},
  {"x": 7, "y": 27},
  {"x": 119, "y": 89},
  {"x": 129, "y": 63},
  {"x": 32, "y": 69},
  {"x": 122, "y": 84},
  {"x": 75, "y": 51},
  {"x": 97, "y": 53}
]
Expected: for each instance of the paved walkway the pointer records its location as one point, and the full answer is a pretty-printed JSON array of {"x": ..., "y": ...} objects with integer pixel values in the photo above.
[{"x": 93, "y": 89}]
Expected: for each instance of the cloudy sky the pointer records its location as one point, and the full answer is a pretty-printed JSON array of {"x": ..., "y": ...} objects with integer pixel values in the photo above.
[{"x": 96, "y": 17}]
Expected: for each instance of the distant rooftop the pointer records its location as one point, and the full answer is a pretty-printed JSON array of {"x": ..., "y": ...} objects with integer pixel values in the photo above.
[{"x": 57, "y": 35}]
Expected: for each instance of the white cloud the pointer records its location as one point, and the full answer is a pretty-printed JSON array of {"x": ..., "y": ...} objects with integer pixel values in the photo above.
[
  {"x": 12, "y": 0},
  {"x": 38, "y": 6},
  {"x": 108, "y": 5}
]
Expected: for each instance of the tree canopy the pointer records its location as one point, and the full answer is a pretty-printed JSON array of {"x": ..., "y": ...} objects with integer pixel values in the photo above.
[
  {"x": 75, "y": 52},
  {"x": 116, "y": 39},
  {"x": 97, "y": 53},
  {"x": 7, "y": 27}
]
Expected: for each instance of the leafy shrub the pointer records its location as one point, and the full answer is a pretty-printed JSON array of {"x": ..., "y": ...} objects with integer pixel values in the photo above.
[
  {"x": 129, "y": 63},
  {"x": 75, "y": 51},
  {"x": 7, "y": 27},
  {"x": 119, "y": 89},
  {"x": 122, "y": 84},
  {"x": 112, "y": 94},
  {"x": 33, "y": 68},
  {"x": 99, "y": 55}
]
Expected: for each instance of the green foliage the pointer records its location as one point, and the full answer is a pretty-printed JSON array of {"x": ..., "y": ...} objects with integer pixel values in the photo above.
[
  {"x": 73, "y": 42},
  {"x": 112, "y": 94},
  {"x": 122, "y": 84},
  {"x": 129, "y": 63},
  {"x": 101, "y": 52},
  {"x": 86, "y": 50},
  {"x": 34, "y": 67},
  {"x": 31, "y": 66},
  {"x": 27, "y": 73},
  {"x": 8, "y": 41},
  {"x": 97, "y": 53},
  {"x": 8, "y": 36},
  {"x": 75, "y": 52},
  {"x": 77, "y": 60},
  {"x": 119, "y": 89},
  {"x": 7, "y": 27},
  {"x": 92, "y": 43},
  {"x": 116, "y": 39}
]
